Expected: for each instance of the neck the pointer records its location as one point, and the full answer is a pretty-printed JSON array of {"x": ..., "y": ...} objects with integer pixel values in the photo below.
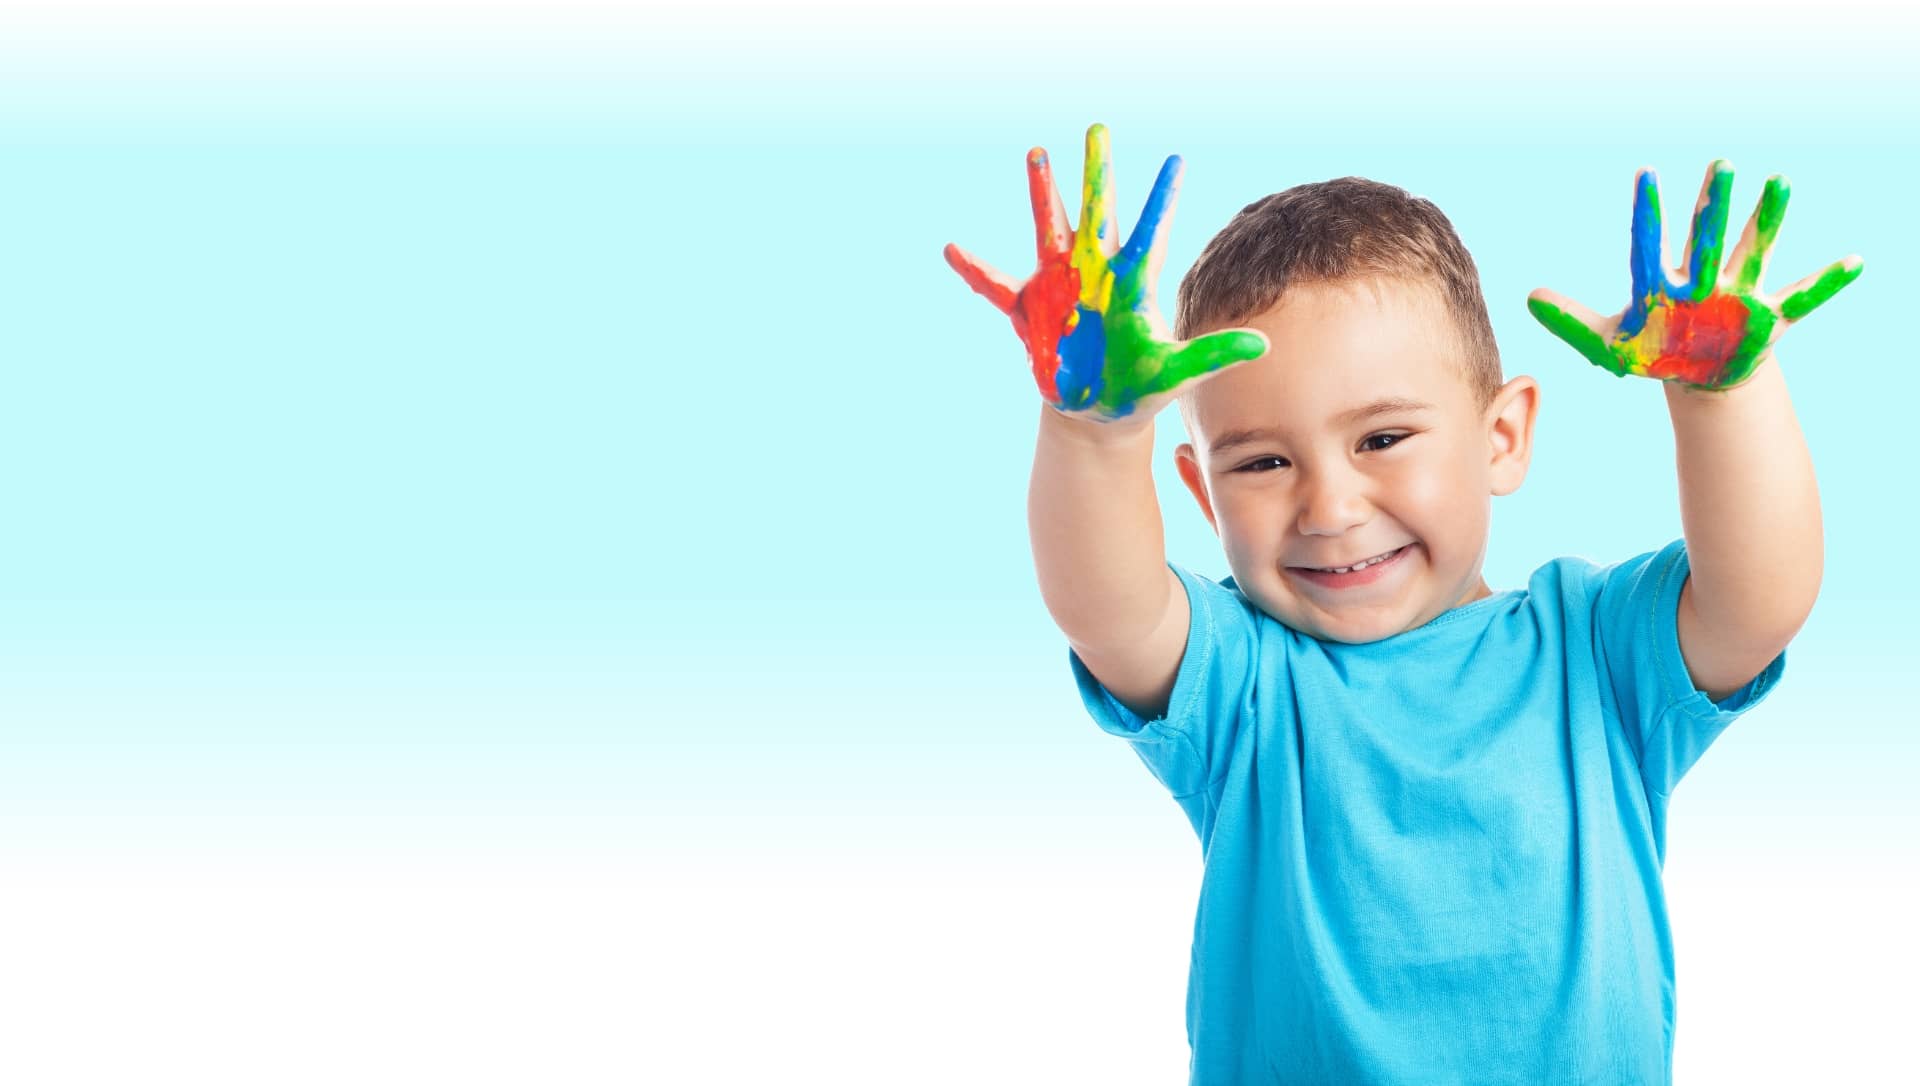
[{"x": 1479, "y": 591}]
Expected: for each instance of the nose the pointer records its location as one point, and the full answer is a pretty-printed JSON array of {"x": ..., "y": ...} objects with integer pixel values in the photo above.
[{"x": 1333, "y": 502}]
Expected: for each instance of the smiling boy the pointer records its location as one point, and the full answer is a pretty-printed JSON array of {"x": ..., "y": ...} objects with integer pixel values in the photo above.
[
  {"x": 1433, "y": 815},
  {"x": 1394, "y": 434}
]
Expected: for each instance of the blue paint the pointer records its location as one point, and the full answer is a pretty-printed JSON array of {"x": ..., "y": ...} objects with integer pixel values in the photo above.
[
  {"x": 1709, "y": 235},
  {"x": 1649, "y": 276},
  {"x": 1141, "y": 240},
  {"x": 1083, "y": 357}
]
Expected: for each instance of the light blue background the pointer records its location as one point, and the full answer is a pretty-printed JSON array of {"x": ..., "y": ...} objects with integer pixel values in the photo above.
[{"x": 586, "y": 453}]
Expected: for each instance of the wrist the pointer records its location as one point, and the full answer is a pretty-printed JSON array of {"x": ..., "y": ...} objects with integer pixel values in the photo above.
[
  {"x": 1682, "y": 396},
  {"x": 1088, "y": 431}
]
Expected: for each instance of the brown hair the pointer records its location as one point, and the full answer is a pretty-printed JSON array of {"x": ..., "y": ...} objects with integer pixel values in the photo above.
[{"x": 1328, "y": 231}]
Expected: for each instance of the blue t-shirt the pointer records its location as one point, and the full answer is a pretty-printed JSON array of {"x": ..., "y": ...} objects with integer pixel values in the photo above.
[{"x": 1435, "y": 858}]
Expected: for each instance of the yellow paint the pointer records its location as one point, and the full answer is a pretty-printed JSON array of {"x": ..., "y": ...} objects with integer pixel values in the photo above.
[
  {"x": 1090, "y": 241},
  {"x": 1652, "y": 335}
]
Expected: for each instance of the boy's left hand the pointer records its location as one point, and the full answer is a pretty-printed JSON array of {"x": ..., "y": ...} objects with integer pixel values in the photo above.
[{"x": 1703, "y": 326}]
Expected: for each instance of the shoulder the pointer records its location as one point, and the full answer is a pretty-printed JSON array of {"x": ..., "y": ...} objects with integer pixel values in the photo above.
[
  {"x": 1230, "y": 614},
  {"x": 1225, "y": 592},
  {"x": 1581, "y": 577}
]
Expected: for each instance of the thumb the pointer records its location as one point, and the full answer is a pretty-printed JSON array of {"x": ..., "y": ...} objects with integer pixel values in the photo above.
[
  {"x": 1211, "y": 353},
  {"x": 1575, "y": 325}
]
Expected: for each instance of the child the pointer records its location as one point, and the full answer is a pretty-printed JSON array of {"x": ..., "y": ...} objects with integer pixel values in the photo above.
[{"x": 1432, "y": 814}]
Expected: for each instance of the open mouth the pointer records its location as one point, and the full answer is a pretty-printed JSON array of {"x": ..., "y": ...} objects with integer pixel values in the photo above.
[{"x": 1364, "y": 572}]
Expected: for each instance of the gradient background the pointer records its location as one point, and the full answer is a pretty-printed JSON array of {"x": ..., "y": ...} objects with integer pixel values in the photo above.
[{"x": 516, "y": 565}]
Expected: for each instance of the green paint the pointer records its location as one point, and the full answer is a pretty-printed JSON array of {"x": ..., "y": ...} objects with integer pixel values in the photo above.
[
  {"x": 1577, "y": 335},
  {"x": 1717, "y": 330},
  {"x": 1096, "y": 342},
  {"x": 1752, "y": 350},
  {"x": 1208, "y": 353},
  {"x": 1709, "y": 233},
  {"x": 1837, "y": 275},
  {"x": 1766, "y": 226}
]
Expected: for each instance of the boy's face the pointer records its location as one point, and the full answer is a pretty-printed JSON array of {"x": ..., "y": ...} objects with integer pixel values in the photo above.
[{"x": 1288, "y": 482}]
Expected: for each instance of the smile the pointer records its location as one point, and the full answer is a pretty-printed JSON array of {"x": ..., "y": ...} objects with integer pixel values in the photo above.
[{"x": 1367, "y": 572}]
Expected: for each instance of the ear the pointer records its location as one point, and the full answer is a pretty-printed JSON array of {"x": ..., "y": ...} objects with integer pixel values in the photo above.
[
  {"x": 1188, "y": 463},
  {"x": 1510, "y": 433}
]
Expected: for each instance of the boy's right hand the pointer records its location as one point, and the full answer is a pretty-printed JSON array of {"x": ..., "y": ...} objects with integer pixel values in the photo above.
[{"x": 1099, "y": 348}]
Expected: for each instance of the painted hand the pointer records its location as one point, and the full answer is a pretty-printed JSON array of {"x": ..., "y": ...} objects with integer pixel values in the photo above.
[
  {"x": 1712, "y": 328},
  {"x": 1098, "y": 346}
]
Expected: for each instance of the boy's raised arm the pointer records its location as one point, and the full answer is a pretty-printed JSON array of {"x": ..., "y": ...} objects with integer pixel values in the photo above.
[
  {"x": 1749, "y": 505},
  {"x": 1105, "y": 363},
  {"x": 1100, "y": 554}
]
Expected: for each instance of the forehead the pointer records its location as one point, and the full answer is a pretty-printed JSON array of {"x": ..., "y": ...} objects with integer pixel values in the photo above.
[{"x": 1335, "y": 347}]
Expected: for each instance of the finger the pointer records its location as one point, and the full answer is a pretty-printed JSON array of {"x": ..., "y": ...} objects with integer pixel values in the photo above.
[
  {"x": 1592, "y": 321},
  {"x": 1147, "y": 243},
  {"x": 1051, "y": 234},
  {"x": 1707, "y": 237},
  {"x": 992, "y": 285},
  {"x": 1095, "y": 238},
  {"x": 1810, "y": 293},
  {"x": 1576, "y": 325},
  {"x": 1749, "y": 259},
  {"x": 1209, "y": 353},
  {"x": 1649, "y": 273}
]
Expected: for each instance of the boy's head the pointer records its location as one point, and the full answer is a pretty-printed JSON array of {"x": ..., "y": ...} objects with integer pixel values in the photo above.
[{"x": 1366, "y": 295}]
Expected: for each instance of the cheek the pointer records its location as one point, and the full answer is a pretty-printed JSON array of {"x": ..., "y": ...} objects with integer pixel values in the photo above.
[
  {"x": 1235, "y": 513},
  {"x": 1251, "y": 520},
  {"x": 1454, "y": 497},
  {"x": 1447, "y": 499}
]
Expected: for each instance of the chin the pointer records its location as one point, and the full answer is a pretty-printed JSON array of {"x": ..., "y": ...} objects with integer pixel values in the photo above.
[
  {"x": 1362, "y": 635},
  {"x": 1352, "y": 629}
]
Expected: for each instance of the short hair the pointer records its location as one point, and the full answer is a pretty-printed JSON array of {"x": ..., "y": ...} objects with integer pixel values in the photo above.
[{"x": 1349, "y": 228}]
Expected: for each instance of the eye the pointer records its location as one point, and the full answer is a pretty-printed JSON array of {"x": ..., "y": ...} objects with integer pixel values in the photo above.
[
  {"x": 1255, "y": 465},
  {"x": 1394, "y": 439}
]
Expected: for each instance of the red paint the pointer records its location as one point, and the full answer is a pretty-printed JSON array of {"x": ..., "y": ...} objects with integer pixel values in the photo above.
[
  {"x": 1045, "y": 314},
  {"x": 1700, "y": 338}
]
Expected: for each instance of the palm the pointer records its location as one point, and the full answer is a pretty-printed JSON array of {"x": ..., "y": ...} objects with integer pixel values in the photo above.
[
  {"x": 1095, "y": 340},
  {"x": 1701, "y": 325}
]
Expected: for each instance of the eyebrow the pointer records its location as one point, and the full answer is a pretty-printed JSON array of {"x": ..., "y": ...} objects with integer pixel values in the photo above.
[{"x": 1391, "y": 405}]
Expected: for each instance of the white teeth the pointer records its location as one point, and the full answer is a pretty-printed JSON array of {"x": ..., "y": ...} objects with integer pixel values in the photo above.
[{"x": 1365, "y": 564}]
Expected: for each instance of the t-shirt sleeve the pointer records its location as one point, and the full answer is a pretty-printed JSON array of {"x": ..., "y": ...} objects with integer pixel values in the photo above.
[
  {"x": 1637, "y": 638},
  {"x": 1189, "y": 747}
]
